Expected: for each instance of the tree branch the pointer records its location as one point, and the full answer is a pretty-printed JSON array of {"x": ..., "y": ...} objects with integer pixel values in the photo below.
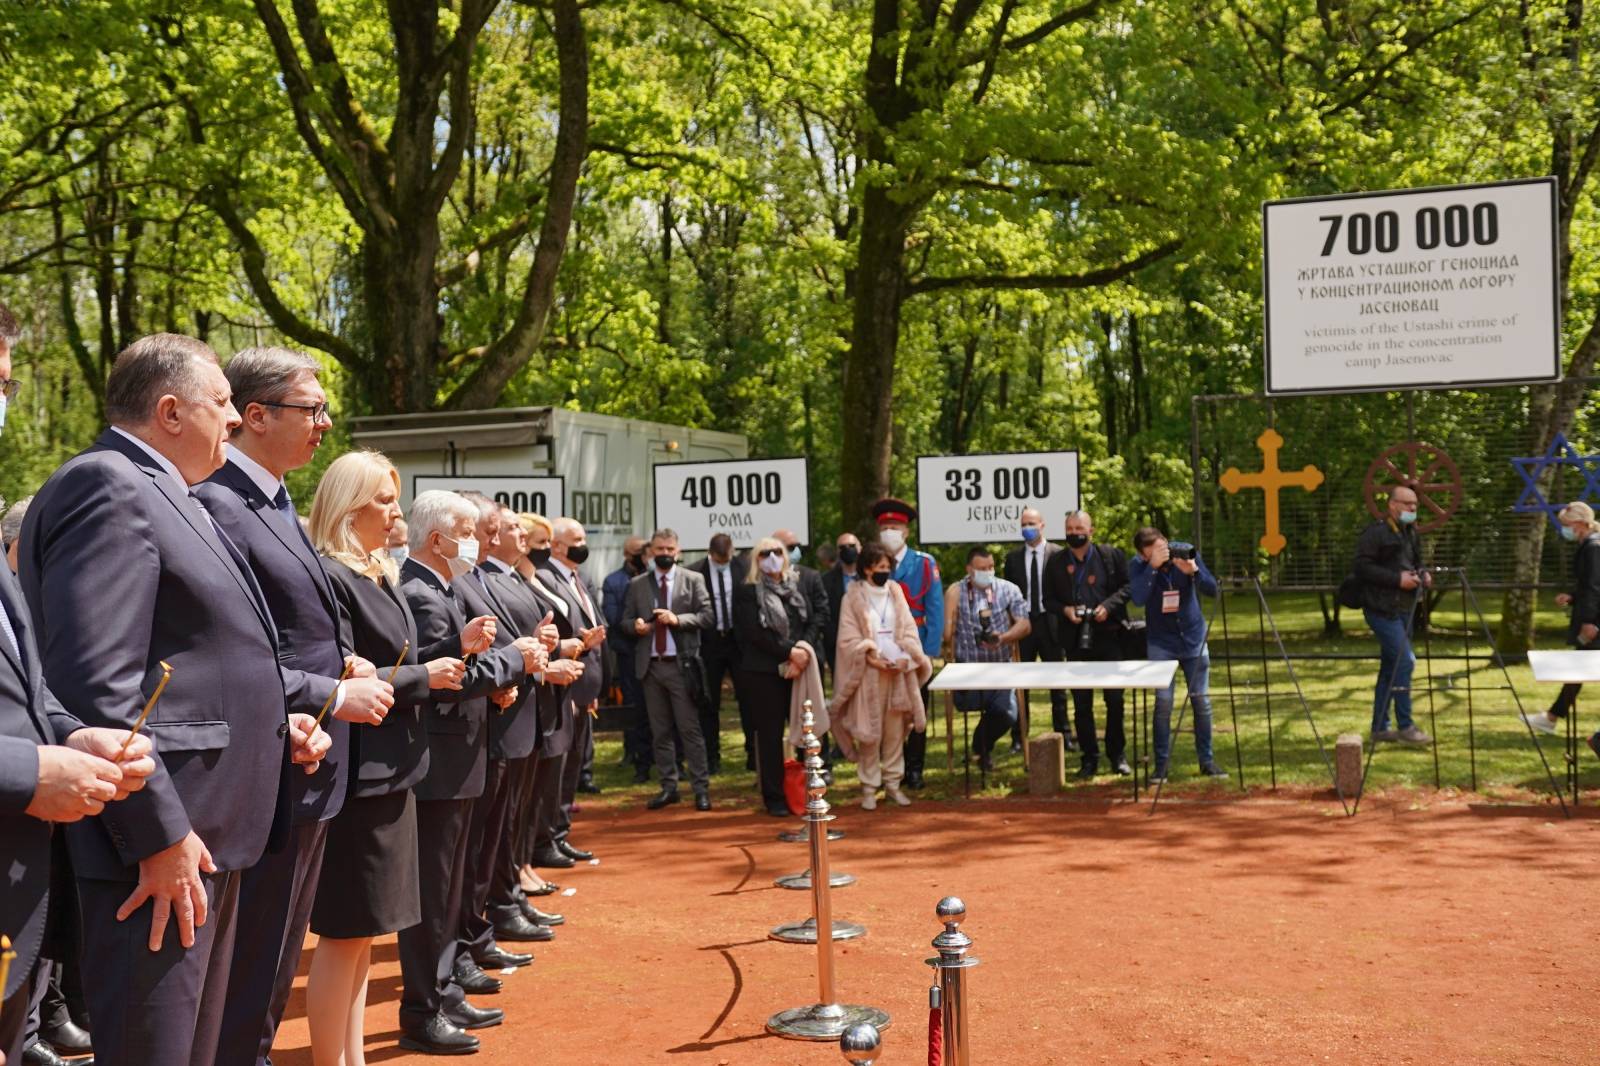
[
  {"x": 1089, "y": 279},
  {"x": 507, "y": 234}
]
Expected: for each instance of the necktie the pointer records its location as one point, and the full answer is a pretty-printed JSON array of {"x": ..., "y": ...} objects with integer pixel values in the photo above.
[
  {"x": 726, "y": 622},
  {"x": 583, "y": 596},
  {"x": 661, "y": 630},
  {"x": 1033, "y": 583}
]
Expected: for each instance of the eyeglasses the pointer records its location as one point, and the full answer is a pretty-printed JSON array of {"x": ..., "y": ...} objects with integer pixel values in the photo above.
[
  {"x": 9, "y": 387},
  {"x": 764, "y": 552},
  {"x": 319, "y": 411}
]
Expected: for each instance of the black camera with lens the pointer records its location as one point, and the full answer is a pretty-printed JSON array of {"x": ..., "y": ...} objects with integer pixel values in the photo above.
[
  {"x": 986, "y": 634},
  {"x": 1181, "y": 549}
]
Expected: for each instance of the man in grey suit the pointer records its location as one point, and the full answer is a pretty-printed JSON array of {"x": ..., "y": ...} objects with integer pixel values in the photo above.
[
  {"x": 52, "y": 769},
  {"x": 124, "y": 570},
  {"x": 667, "y": 608}
]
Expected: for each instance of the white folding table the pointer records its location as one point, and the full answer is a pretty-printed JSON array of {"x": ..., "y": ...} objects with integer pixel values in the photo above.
[
  {"x": 1139, "y": 675},
  {"x": 1567, "y": 668}
]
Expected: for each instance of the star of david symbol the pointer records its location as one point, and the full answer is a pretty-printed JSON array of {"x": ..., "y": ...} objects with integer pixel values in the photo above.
[{"x": 1531, "y": 469}]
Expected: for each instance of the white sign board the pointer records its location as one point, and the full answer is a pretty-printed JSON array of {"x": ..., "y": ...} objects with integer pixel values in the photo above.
[
  {"x": 1420, "y": 288},
  {"x": 745, "y": 498},
  {"x": 979, "y": 498},
  {"x": 541, "y": 495}
]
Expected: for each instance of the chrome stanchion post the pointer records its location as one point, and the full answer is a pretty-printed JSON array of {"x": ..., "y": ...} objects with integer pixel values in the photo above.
[
  {"x": 860, "y": 1044},
  {"x": 952, "y": 946},
  {"x": 826, "y": 1019},
  {"x": 805, "y": 931}
]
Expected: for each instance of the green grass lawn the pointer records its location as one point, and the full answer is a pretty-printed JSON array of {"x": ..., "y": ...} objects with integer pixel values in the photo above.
[{"x": 1466, "y": 696}]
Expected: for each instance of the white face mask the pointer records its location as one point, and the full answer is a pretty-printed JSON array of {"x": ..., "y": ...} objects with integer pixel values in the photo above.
[
  {"x": 893, "y": 539},
  {"x": 399, "y": 554},
  {"x": 466, "y": 555},
  {"x": 771, "y": 564}
]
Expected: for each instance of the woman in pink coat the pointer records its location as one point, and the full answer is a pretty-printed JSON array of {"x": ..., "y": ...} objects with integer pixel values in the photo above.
[{"x": 877, "y": 697}]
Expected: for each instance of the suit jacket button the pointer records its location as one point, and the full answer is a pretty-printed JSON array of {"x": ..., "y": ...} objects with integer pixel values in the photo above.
[{"x": 283, "y": 730}]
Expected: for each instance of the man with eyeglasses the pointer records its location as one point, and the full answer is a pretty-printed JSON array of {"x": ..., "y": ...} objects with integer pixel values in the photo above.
[{"x": 284, "y": 414}]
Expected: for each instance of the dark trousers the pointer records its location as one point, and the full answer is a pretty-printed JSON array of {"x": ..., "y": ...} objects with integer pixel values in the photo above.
[
  {"x": 428, "y": 949},
  {"x": 571, "y": 770},
  {"x": 999, "y": 707},
  {"x": 1042, "y": 645},
  {"x": 486, "y": 832},
  {"x": 1083, "y": 707},
  {"x": 505, "y": 888},
  {"x": 666, "y": 694},
  {"x": 14, "y": 1016},
  {"x": 547, "y": 813},
  {"x": 1565, "y": 700},
  {"x": 769, "y": 717},
  {"x": 720, "y": 656},
  {"x": 916, "y": 748},
  {"x": 636, "y": 750},
  {"x": 275, "y": 896},
  {"x": 161, "y": 1006}
]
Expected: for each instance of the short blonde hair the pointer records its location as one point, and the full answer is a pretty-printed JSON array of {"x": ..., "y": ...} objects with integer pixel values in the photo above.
[
  {"x": 1578, "y": 511},
  {"x": 753, "y": 572},
  {"x": 531, "y": 521},
  {"x": 350, "y": 483}
]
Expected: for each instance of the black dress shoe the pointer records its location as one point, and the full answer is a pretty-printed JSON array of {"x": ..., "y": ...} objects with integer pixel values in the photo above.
[
  {"x": 539, "y": 917},
  {"x": 641, "y": 774},
  {"x": 68, "y": 1038},
  {"x": 1122, "y": 768},
  {"x": 1089, "y": 768},
  {"x": 550, "y": 888},
  {"x": 42, "y": 1054},
  {"x": 702, "y": 801},
  {"x": 589, "y": 788},
  {"x": 664, "y": 797},
  {"x": 474, "y": 981},
  {"x": 778, "y": 810},
  {"x": 464, "y": 1015},
  {"x": 438, "y": 1036},
  {"x": 551, "y": 856},
  {"x": 519, "y": 930},
  {"x": 914, "y": 779},
  {"x": 566, "y": 848},
  {"x": 498, "y": 958}
]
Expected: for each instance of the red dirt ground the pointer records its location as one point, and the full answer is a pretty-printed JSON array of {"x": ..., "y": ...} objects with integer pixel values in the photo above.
[{"x": 1264, "y": 932}]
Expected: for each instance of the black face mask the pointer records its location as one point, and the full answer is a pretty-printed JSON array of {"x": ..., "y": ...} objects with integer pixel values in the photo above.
[
  {"x": 849, "y": 554},
  {"x": 538, "y": 556},
  {"x": 664, "y": 562},
  {"x": 1076, "y": 540},
  {"x": 634, "y": 564},
  {"x": 879, "y": 578},
  {"x": 578, "y": 554}
]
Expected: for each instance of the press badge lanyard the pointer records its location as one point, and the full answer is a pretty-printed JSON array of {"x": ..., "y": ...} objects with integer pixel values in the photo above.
[{"x": 1170, "y": 596}]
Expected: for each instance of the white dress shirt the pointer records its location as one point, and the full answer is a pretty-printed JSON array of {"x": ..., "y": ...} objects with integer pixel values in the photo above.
[
  {"x": 260, "y": 476},
  {"x": 655, "y": 591},
  {"x": 166, "y": 464}
]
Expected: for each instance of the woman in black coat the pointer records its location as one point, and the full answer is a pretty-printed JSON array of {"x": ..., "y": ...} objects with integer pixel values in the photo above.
[
  {"x": 1577, "y": 524},
  {"x": 368, "y": 884},
  {"x": 770, "y": 619}
]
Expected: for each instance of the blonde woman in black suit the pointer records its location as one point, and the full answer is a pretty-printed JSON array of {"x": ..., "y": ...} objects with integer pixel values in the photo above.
[{"x": 369, "y": 875}]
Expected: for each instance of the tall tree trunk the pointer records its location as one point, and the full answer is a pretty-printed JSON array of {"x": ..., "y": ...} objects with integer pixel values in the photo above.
[{"x": 867, "y": 408}]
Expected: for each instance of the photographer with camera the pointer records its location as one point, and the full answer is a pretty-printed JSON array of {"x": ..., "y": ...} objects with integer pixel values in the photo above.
[
  {"x": 1086, "y": 587},
  {"x": 985, "y": 616},
  {"x": 1167, "y": 579}
]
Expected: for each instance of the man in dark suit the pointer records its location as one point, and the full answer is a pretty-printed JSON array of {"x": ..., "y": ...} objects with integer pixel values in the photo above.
[
  {"x": 511, "y": 722},
  {"x": 636, "y": 750},
  {"x": 124, "y": 569},
  {"x": 667, "y": 609},
  {"x": 443, "y": 551},
  {"x": 284, "y": 414},
  {"x": 521, "y": 741},
  {"x": 1025, "y": 568},
  {"x": 561, "y": 572},
  {"x": 1086, "y": 589},
  {"x": 835, "y": 582},
  {"x": 52, "y": 769},
  {"x": 719, "y": 654}
]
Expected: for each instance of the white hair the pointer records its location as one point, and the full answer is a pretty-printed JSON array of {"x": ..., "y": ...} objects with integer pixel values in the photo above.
[
  {"x": 436, "y": 511},
  {"x": 564, "y": 527}
]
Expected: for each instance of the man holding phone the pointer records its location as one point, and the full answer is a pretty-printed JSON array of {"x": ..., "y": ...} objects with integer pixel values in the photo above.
[{"x": 1389, "y": 567}]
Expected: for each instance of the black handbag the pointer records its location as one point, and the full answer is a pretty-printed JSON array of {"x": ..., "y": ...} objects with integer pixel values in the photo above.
[{"x": 694, "y": 679}]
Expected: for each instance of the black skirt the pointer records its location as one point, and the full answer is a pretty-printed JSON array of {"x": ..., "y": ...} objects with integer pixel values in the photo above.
[{"x": 368, "y": 886}]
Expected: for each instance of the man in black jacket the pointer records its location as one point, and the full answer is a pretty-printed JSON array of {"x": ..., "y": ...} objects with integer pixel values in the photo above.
[
  {"x": 284, "y": 414},
  {"x": 719, "y": 653},
  {"x": 1086, "y": 589},
  {"x": 1025, "y": 568},
  {"x": 835, "y": 583},
  {"x": 1389, "y": 567}
]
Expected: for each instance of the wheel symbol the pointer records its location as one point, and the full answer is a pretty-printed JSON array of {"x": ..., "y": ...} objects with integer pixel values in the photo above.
[{"x": 1425, "y": 468}]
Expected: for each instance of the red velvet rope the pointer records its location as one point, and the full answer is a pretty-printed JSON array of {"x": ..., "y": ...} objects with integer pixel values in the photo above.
[{"x": 935, "y": 1037}]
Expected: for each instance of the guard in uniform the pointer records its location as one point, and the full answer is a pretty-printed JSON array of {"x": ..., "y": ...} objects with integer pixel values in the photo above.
[{"x": 917, "y": 574}]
